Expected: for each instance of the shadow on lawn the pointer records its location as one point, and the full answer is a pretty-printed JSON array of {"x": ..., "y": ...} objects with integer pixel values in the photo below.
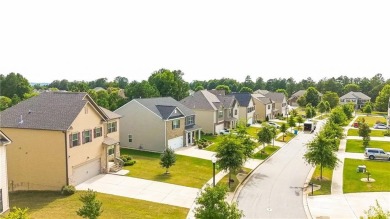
[
  {"x": 34, "y": 200},
  {"x": 162, "y": 177}
]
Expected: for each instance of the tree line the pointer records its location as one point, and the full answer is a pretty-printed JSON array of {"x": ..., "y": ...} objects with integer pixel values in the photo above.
[{"x": 14, "y": 87}]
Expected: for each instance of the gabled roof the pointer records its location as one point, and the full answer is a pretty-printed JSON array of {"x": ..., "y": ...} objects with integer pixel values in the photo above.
[
  {"x": 110, "y": 114},
  {"x": 48, "y": 111},
  {"x": 165, "y": 107},
  {"x": 227, "y": 101},
  {"x": 298, "y": 93},
  {"x": 261, "y": 92},
  {"x": 217, "y": 92},
  {"x": 243, "y": 98},
  {"x": 355, "y": 95},
  {"x": 275, "y": 96},
  {"x": 262, "y": 98},
  {"x": 202, "y": 99}
]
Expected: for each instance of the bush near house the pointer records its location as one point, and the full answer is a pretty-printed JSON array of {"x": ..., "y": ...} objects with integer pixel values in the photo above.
[
  {"x": 127, "y": 159},
  {"x": 68, "y": 190}
]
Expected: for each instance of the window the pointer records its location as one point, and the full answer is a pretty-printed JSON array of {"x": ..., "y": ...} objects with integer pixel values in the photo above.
[
  {"x": 220, "y": 114},
  {"x": 235, "y": 112},
  {"x": 111, "y": 150},
  {"x": 97, "y": 132},
  {"x": 190, "y": 120},
  {"x": 130, "y": 138},
  {"x": 176, "y": 124},
  {"x": 87, "y": 136},
  {"x": 74, "y": 139},
  {"x": 269, "y": 106},
  {"x": 111, "y": 127}
]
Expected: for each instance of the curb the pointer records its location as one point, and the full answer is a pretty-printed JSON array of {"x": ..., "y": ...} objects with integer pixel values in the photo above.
[{"x": 304, "y": 196}]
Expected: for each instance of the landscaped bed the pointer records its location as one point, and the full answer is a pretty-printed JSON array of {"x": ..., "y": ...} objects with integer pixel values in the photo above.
[
  {"x": 268, "y": 151},
  {"x": 379, "y": 171},
  {"x": 325, "y": 183},
  {"x": 373, "y": 133},
  {"x": 188, "y": 171},
  {"x": 44, "y": 204},
  {"x": 356, "y": 146},
  {"x": 287, "y": 138}
]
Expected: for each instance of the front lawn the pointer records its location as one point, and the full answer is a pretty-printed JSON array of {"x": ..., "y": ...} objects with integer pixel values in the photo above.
[
  {"x": 374, "y": 133},
  {"x": 252, "y": 131},
  {"x": 287, "y": 138},
  {"x": 268, "y": 151},
  {"x": 45, "y": 204},
  {"x": 233, "y": 185},
  {"x": 371, "y": 120},
  {"x": 379, "y": 171},
  {"x": 216, "y": 139},
  {"x": 356, "y": 146},
  {"x": 188, "y": 171},
  {"x": 325, "y": 183}
]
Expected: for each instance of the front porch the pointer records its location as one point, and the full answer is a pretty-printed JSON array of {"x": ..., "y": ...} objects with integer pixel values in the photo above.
[
  {"x": 112, "y": 162},
  {"x": 191, "y": 133},
  {"x": 230, "y": 123}
]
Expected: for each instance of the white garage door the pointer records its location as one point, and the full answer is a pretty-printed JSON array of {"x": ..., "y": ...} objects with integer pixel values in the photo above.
[
  {"x": 218, "y": 128},
  {"x": 250, "y": 121},
  {"x": 175, "y": 143},
  {"x": 86, "y": 171}
]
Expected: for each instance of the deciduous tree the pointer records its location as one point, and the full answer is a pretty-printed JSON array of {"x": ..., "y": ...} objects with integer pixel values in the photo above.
[
  {"x": 167, "y": 159},
  {"x": 381, "y": 102},
  {"x": 332, "y": 98},
  {"x": 92, "y": 207},
  {"x": 364, "y": 131}
]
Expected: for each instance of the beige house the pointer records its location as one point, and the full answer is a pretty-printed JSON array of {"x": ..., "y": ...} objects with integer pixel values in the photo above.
[
  {"x": 154, "y": 124},
  {"x": 357, "y": 98},
  {"x": 246, "y": 109},
  {"x": 214, "y": 110},
  {"x": 263, "y": 107},
  {"x": 4, "y": 202},
  {"x": 59, "y": 138}
]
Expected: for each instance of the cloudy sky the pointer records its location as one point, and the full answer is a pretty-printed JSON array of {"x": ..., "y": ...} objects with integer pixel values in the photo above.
[{"x": 206, "y": 39}]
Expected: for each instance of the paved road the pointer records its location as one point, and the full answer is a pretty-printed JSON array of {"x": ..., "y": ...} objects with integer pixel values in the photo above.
[{"x": 274, "y": 190}]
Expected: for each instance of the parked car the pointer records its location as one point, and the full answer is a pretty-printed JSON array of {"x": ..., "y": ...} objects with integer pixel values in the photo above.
[
  {"x": 380, "y": 126},
  {"x": 224, "y": 132},
  {"x": 274, "y": 124},
  {"x": 376, "y": 153}
]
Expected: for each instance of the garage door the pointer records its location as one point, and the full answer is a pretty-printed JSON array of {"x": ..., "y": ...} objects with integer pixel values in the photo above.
[
  {"x": 86, "y": 171},
  {"x": 250, "y": 121},
  {"x": 218, "y": 128},
  {"x": 175, "y": 143}
]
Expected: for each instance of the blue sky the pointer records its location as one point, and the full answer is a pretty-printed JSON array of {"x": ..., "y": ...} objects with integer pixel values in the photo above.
[{"x": 85, "y": 40}]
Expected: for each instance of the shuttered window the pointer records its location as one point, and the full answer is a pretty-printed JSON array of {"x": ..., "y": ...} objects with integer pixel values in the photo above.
[
  {"x": 87, "y": 136},
  {"x": 97, "y": 132},
  {"x": 74, "y": 139}
]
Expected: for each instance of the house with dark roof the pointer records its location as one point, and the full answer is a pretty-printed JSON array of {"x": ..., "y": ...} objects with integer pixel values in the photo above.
[
  {"x": 214, "y": 110},
  {"x": 246, "y": 109},
  {"x": 357, "y": 98},
  {"x": 263, "y": 107},
  {"x": 4, "y": 201},
  {"x": 279, "y": 103},
  {"x": 59, "y": 138},
  {"x": 154, "y": 124}
]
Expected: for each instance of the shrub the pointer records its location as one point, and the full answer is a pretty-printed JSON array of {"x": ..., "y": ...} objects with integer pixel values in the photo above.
[
  {"x": 386, "y": 133},
  {"x": 128, "y": 160},
  {"x": 68, "y": 190}
]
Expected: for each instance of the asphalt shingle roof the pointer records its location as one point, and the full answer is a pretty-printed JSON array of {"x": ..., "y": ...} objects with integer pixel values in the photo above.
[
  {"x": 164, "y": 106},
  {"x": 202, "y": 99},
  {"x": 243, "y": 98},
  {"x": 275, "y": 96},
  {"x": 48, "y": 111},
  {"x": 353, "y": 95}
]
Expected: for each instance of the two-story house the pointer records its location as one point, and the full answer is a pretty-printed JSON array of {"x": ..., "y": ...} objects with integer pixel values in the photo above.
[
  {"x": 246, "y": 109},
  {"x": 357, "y": 98},
  {"x": 59, "y": 138},
  {"x": 154, "y": 124},
  {"x": 263, "y": 107},
  {"x": 4, "y": 202},
  {"x": 214, "y": 110}
]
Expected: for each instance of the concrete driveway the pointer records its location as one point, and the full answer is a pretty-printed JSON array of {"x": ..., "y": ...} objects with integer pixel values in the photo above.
[{"x": 147, "y": 190}]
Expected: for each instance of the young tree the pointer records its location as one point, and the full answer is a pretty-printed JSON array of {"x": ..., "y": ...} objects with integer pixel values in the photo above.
[
  {"x": 211, "y": 204},
  {"x": 198, "y": 88},
  {"x": 364, "y": 131},
  {"x": 291, "y": 122},
  {"x": 230, "y": 155},
  {"x": 367, "y": 109},
  {"x": 248, "y": 147},
  {"x": 92, "y": 208},
  {"x": 321, "y": 107},
  {"x": 283, "y": 129},
  {"x": 338, "y": 116},
  {"x": 300, "y": 121},
  {"x": 348, "y": 109},
  {"x": 320, "y": 152},
  {"x": 332, "y": 98},
  {"x": 265, "y": 135},
  {"x": 167, "y": 159},
  {"x": 376, "y": 212},
  {"x": 294, "y": 112},
  {"x": 302, "y": 101},
  {"x": 273, "y": 131},
  {"x": 327, "y": 105}
]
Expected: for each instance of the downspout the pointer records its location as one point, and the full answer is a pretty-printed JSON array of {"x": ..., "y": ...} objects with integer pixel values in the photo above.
[
  {"x": 165, "y": 136},
  {"x": 66, "y": 159}
]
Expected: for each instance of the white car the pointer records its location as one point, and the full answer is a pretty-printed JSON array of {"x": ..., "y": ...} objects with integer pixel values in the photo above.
[
  {"x": 224, "y": 132},
  {"x": 380, "y": 126},
  {"x": 274, "y": 124}
]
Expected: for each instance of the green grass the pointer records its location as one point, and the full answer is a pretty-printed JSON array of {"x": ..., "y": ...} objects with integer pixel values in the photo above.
[
  {"x": 356, "y": 146},
  {"x": 45, "y": 204},
  {"x": 188, "y": 171},
  {"x": 325, "y": 183},
  {"x": 252, "y": 131},
  {"x": 379, "y": 171},
  {"x": 269, "y": 150},
  {"x": 233, "y": 185},
  {"x": 374, "y": 133},
  {"x": 287, "y": 138},
  {"x": 370, "y": 120}
]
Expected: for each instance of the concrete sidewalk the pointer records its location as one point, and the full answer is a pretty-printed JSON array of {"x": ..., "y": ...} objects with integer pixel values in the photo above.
[
  {"x": 147, "y": 190},
  {"x": 372, "y": 138}
]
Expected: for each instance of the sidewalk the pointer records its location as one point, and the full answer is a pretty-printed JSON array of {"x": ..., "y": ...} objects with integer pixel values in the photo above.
[{"x": 371, "y": 138}]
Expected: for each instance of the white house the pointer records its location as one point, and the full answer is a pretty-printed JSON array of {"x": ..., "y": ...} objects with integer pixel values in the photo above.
[{"x": 4, "y": 203}]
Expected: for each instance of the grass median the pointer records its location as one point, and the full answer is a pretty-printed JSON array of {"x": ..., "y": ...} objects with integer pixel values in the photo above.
[{"x": 373, "y": 133}]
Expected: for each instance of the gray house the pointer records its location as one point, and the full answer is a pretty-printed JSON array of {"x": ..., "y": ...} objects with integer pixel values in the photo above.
[
  {"x": 357, "y": 98},
  {"x": 155, "y": 124}
]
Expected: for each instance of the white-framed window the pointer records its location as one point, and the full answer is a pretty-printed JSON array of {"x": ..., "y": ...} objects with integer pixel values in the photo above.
[
  {"x": 176, "y": 124},
  {"x": 111, "y": 127},
  {"x": 97, "y": 132},
  {"x": 87, "y": 136},
  {"x": 111, "y": 150},
  {"x": 74, "y": 139},
  {"x": 190, "y": 120},
  {"x": 130, "y": 138},
  {"x": 235, "y": 112},
  {"x": 269, "y": 106},
  {"x": 220, "y": 113}
]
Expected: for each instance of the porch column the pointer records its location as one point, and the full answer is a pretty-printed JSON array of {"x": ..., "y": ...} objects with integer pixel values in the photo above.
[
  {"x": 198, "y": 134},
  {"x": 186, "y": 139},
  {"x": 191, "y": 142}
]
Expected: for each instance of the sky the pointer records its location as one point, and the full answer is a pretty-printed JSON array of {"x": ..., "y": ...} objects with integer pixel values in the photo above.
[{"x": 205, "y": 39}]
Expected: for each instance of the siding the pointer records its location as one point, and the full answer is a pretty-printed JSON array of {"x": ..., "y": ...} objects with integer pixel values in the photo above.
[
  {"x": 3, "y": 178},
  {"x": 206, "y": 120}
]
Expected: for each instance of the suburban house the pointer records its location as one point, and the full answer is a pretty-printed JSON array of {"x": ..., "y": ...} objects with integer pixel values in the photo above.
[
  {"x": 59, "y": 138},
  {"x": 357, "y": 98},
  {"x": 214, "y": 110},
  {"x": 292, "y": 101},
  {"x": 263, "y": 107},
  {"x": 246, "y": 107},
  {"x": 4, "y": 202},
  {"x": 279, "y": 101},
  {"x": 154, "y": 124}
]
